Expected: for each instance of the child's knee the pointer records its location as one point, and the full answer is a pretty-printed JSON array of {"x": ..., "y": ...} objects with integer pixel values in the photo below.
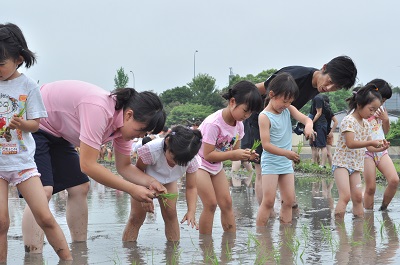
[
  {"x": 210, "y": 206},
  {"x": 357, "y": 198},
  {"x": 289, "y": 202},
  {"x": 393, "y": 182},
  {"x": 345, "y": 198},
  {"x": 137, "y": 219},
  {"x": 171, "y": 214},
  {"x": 267, "y": 203},
  {"x": 79, "y": 191},
  {"x": 45, "y": 220},
  {"x": 226, "y": 203},
  {"x": 370, "y": 190}
]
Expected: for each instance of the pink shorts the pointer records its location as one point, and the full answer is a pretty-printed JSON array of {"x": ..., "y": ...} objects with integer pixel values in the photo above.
[
  {"x": 16, "y": 177},
  {"x": 375, "y": 156}
]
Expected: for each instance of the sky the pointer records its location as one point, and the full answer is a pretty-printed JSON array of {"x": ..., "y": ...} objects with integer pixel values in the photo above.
[{"x": 155, "y": 41}]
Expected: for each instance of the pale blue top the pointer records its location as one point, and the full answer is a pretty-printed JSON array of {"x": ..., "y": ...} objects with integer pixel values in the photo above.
[{"x": 280, "y": 136}]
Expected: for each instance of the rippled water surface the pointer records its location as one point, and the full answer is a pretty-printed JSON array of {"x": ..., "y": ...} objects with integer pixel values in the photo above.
[{"x": 313, "y": 238}]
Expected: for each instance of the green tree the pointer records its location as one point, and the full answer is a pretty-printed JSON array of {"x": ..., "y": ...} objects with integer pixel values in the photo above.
[
  {"x": 185, "y": 114},
  {"x": 394, "y": 134},
  {"x": 121, "y": 79},
  {"x": 181, "y": 95},
  {"x": 204, "y": 91},
  {"x": 259, "y": 78}
]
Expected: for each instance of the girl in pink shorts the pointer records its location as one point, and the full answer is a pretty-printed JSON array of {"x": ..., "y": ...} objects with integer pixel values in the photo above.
[{"x": 380, "y": 125}]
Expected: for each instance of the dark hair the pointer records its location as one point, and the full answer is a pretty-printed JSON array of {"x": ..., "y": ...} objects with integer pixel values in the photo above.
[
  {"x": 147, "y": 107},
  {"x": 342, "y": 71},
  {"x": 363, "y": 96},
  {"x": 383, "y": 87},
  {"x": 183, "y": 143},
  {"x": 146, "y": 139},
  {"x": 245, "y": 92},
  {"x": 13, "y": 45},
  {"x": 282, "y": 84}
]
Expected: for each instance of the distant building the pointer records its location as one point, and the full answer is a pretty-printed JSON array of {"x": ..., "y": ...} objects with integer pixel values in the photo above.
[{"x": 393, "y": 104}]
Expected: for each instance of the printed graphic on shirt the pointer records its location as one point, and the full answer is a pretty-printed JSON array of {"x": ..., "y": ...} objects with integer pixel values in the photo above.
[
  {"x": 225, "y": 143},
  {"x": 11, "y": 141}
]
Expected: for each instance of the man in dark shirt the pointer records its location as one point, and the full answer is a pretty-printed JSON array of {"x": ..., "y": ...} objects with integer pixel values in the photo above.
[
  {"x": 338, "y": 73},
  {"x": 319, "y": 114}
]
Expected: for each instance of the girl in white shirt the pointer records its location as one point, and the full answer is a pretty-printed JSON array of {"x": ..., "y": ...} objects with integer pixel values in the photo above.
[{"x": 167, "y": 160}]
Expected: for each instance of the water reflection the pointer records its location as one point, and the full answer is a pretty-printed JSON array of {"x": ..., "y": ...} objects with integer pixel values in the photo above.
[
  {"x": 313, "y": 238},
  {"x": 210, "y": 253}
]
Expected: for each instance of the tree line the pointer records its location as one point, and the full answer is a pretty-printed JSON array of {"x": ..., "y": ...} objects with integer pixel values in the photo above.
[{"x": 200, "y": 97}]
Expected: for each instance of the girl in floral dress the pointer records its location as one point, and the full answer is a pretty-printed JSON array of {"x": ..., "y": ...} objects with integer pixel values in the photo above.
[{"x": 348, "y": 160}]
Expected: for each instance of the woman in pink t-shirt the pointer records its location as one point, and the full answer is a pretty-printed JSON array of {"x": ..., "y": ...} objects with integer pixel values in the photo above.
[
  {"x": 86, "y": 116},
  {"x": 222, "y": 132}
]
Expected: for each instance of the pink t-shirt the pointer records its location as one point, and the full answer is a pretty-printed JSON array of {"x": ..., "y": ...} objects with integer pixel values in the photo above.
[
  {"x": 79, "y": 111},
  {"x": 223, "y": 136}
]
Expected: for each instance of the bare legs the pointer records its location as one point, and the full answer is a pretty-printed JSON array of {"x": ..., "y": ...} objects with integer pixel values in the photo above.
[
  {"x": 32, "y": 190},
  {"x": 4, "y": 220},
  {"x": 77, "y": 219},
  {"x": 213, "y": 191},
  {"x": 387, "y": 168},
  {"x": 270, "y": 184},
  {"x": 349, "y": 187},
  {"x": 169, "y": 214}
]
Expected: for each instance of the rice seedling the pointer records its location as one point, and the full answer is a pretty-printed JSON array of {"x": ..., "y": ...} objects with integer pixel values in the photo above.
[
  {"x": 293, "y": 242},
  {"x": 212, "y": 258},
  {"x": 396, "y": 228},
  {"x": 276, "y": 253},
  {"x": 7, "y": 131},
  {"x": 261, "y": 257},
  {"x": 228, "y": 251},
  {"x": 22, "y": 111},
  {"x": 177, "y": 254},
  {"x": 328, "y": 237},
  {"x": 167, "y": 196},
  {"x": 300, "y": 147},
  {"x": 382, "y": 222},
  {"x": 252, "y": 238},
  {"x": 367, "y": 231},
  {"x": 256, "y": 144}
]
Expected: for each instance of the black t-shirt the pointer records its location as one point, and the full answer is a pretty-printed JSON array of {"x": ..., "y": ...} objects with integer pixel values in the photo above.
[
  {"x": 319, "y": 103},
  {"x": 303, "y": 77}
]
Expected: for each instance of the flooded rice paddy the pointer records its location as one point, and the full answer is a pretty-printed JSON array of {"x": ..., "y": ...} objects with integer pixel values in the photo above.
[{"x": 313, "y": 238}]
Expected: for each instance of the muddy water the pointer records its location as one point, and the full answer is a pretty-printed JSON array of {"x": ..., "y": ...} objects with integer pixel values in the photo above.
[{"x": 313, "y": 238}]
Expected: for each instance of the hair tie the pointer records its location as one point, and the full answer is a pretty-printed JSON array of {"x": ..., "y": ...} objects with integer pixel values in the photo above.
[{"x": 173, "y": 133}]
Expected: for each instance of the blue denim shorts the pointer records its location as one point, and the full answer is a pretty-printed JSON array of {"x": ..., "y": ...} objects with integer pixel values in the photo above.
[{"x": 350, "y": 170}]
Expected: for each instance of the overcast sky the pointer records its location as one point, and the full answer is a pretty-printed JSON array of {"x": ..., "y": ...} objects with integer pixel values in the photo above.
[{"x": 89, "y": 40}]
